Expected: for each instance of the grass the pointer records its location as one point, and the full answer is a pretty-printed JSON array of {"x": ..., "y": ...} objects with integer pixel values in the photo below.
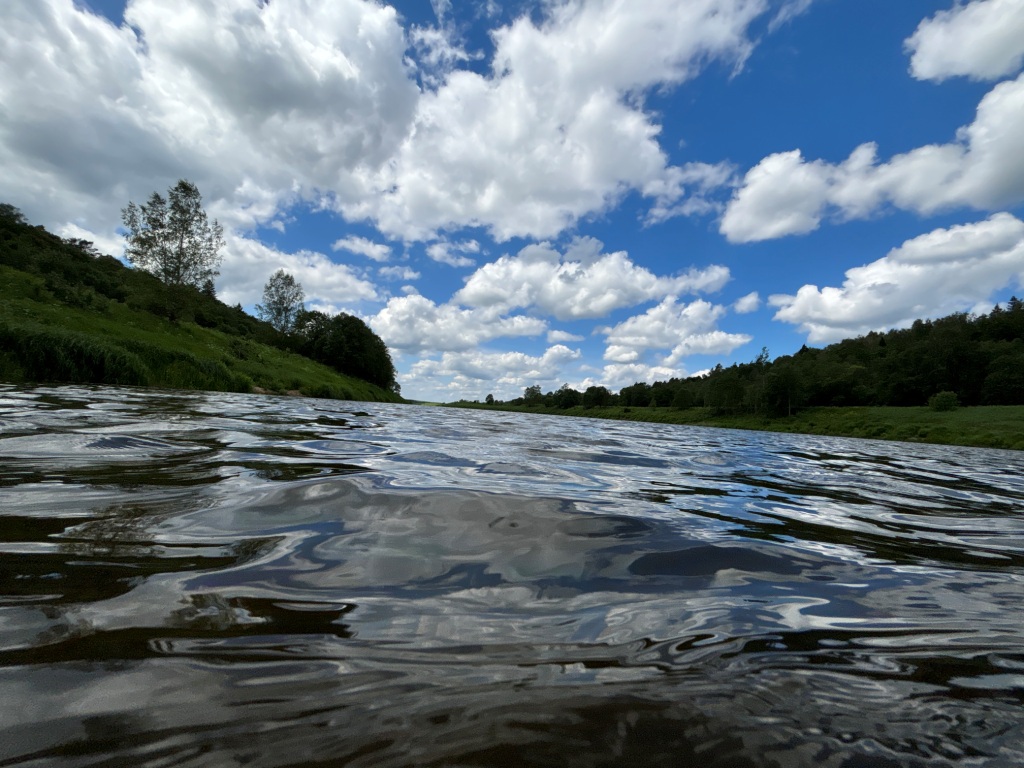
[
  {"x": 994, "y": 426},
  {"x": 107, "y": 342}
]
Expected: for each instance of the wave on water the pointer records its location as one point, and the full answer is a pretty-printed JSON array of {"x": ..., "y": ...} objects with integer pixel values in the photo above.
[{"x": 206, "y": 579}]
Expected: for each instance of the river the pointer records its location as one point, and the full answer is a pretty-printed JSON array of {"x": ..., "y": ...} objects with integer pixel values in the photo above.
[{"x": 207, "y": 579}]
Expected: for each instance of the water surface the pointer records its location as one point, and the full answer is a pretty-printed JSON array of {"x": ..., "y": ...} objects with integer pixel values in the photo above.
[{"x": 193, "y": 579}]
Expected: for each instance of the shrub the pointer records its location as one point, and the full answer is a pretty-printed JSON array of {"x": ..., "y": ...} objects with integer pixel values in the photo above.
[{"x": 943, "y": 401}]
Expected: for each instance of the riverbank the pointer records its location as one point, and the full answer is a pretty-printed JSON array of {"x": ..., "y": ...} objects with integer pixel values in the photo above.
[
  {"x": 108, "y": 342},
  {"x": 995, "y": 426}
]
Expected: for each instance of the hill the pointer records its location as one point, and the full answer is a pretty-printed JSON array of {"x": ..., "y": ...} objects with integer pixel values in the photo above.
[{"x": 70, "y": 314}]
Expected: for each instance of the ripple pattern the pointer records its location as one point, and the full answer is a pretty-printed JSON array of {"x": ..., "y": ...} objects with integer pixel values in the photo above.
[{"x": 208, "y": 579}]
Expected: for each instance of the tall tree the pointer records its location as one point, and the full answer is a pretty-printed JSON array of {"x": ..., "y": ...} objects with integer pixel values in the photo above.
[
  {"x": 173, "y": 238},
  {"x": 282, "y": 301}
]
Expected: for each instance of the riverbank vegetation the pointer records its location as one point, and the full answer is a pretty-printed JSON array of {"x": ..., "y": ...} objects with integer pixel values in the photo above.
[
  {"x": 956, "y": 380},
  {"x": 981, "y": 426},
  {"x": 71, "y": 314}
]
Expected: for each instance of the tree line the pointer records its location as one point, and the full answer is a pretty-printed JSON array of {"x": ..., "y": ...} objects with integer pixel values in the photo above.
[
  {"x": 961, "y": 359},
  {"x": 175, "y": 250}
]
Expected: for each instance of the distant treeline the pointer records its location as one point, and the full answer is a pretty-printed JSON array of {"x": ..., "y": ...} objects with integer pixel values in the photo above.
[
  {"x": 965, "y": 359},
  {"x": 75, "y": 274}
]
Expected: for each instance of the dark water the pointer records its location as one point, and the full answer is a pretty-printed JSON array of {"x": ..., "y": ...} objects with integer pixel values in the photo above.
[{"x": 221, "y": 580}]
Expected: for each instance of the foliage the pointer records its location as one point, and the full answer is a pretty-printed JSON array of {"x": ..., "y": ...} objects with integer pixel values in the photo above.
[
  {"x": 68, "y": 314},
  {"x": 173, "y": 238},
  {"x": 981, "y": 426},
  {"x": 282, "y": 301},
  {"x": 347, "y": 344},
  {"x": 979, "y": 359},
  {"x": 944, "y": 401}
]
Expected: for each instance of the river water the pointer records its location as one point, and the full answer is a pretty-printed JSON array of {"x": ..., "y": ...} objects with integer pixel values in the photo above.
[{"x": 199, "y": 579}]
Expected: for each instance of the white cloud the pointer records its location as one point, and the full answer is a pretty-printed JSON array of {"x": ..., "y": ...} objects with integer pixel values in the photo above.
[
  {"x": 789, "y": 11},
  {"x": 260, "y": 104},
  {"x": 982, "y": 40},
  {"x": 687, "y": 329},
  {"x": 781, "y": 195},
  {"x": 453, "y": 254},
  {"x": 415, "y": 324},
  {"x": 503, "y": 374},
  {"x": 619, "y": 375},
  {"x": 538, "y": 277},
  {"x": 944, "y": 271},
  {"x": 555, "y": 130},
  {"x": 982, "y": 169},
  {"x": 398, "y": 273},
  {"x": 248, "y": 264},
  {"x": 267, "y": 105},
  {"x": 747, "y": 304},
  {"x": 363, "y": 247},
  {"x": 555, "y": 337}
]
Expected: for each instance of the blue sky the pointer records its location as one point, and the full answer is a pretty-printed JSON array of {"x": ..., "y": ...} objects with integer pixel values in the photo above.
[{"x": 518, "y": 193}]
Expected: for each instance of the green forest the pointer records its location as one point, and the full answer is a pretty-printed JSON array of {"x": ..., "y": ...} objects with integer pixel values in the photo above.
[
  {"x": 71, "y": 314},
  {"x": 908, "y": 384},
  {"x": 956, "y": 360}
]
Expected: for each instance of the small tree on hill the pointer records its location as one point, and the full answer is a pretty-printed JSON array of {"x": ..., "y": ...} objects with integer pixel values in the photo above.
[
  {"x": 173, "y": 238},
  {"x": 282, "y": 301}
]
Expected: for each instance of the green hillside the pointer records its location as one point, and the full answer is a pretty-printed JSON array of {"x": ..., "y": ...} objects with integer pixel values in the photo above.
[{"x": 70, "y": 314}]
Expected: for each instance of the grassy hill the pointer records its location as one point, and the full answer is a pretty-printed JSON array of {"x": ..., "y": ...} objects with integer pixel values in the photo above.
[{"x": 68, "y": 314}]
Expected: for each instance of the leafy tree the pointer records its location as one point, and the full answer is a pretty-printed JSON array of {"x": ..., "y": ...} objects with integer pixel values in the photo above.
[
  {"x": 567, "y": 397},
  {"x": 347, "y": 344},
  {"x": 173, "y": 238},
  {"x": 10, "y": 214},
  {"x": 596, "y": 396},
  {"x": 282, "y": 301},
  {"x": 532, "y": 395},
  {"x": 489, "y": 400}
]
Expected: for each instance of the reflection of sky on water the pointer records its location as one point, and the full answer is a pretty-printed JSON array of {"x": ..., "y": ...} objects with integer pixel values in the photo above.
[{"x": 212, "y": 579}]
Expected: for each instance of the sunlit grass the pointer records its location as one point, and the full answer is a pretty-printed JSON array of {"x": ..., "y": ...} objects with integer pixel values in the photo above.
[{"x": 109, "y": 342}]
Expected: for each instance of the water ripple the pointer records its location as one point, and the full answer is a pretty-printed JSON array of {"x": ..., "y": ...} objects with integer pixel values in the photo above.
[{"x": 199, "y": 579}]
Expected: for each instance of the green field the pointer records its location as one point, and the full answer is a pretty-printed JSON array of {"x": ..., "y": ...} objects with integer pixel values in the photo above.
[
  {"x": 995, "y": 426},
  {"x": 43, "y": 339}
]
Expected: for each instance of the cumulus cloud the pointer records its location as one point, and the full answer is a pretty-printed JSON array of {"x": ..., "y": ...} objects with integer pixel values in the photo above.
[
  {"x": 618, "y": 375},
  {"x": 269, "y": 105},
  {"x": 363, "y": 247},
  {"x": 982, "y": 40},
  {"x": 416, "y": 324},
  {"x": 944, "y": 271},
  {"x": 554, "y": 131},
  {"x": 747, "y": 304},
  {"x": 398, "y": 273},
  {"x": 260, "y": 104},
  {"x": 558, "y": 336},
  {"x": 453, "y": 254},
  {"x": 506, "y": 374},
  {"x": 983, "y": 169},
  {"x": 248, "y": 264},
  {"x": 685, "y": 329},
  {"x": 540, "y": 278}
]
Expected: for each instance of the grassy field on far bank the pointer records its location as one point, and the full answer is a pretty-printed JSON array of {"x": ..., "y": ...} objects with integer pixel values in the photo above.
[{"x": 995, "y": 426}]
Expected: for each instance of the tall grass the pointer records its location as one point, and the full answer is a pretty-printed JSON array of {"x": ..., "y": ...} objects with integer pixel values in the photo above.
[{"x": 55, "y": 354}]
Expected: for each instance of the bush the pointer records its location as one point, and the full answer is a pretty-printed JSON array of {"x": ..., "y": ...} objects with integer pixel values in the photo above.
[
  {"x": 51, "y": 354},
  {"x": 944, "y": 401}
]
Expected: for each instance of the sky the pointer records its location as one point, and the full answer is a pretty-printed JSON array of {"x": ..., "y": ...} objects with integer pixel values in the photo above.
[{"x": 546, "y": 192}]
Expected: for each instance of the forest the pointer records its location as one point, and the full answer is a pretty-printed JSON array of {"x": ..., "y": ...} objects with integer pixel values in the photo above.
[
  {"x": 961, "y": 359},
  {"x": 61, "y": 298}
]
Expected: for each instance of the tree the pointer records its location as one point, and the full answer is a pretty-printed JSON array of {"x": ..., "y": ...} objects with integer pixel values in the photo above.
[
  {"x": 282, "y": 301},
  {"x": 532, "y": 395},
  {"x": 173, "y": 238},
  {"x": 489, "y": 400}
]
